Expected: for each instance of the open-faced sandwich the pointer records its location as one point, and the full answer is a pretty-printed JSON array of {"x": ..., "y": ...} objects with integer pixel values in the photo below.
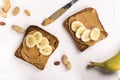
[
  {"x": 37, "y": 46},
  {"x": 85, "y": 28}
]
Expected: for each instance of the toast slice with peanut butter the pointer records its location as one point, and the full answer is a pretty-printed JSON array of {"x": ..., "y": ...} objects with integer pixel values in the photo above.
[
  {"x": 37, "y": 46},
  {"x": 85, "y": 28}
]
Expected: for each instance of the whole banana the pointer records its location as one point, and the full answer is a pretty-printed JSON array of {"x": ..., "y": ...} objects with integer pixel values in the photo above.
[{"x": 112, "y": 64}]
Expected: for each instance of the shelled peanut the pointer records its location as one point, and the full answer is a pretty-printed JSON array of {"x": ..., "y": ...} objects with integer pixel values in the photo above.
[
  {"x": 7, "y": 5},
  {"x": 18, "y": 29},
  {"x": 2, "y": 13},
  {"x": 27, "y": 12},
  {"x": 16, "y": 11},
  {"x": 66, "y": 63}
]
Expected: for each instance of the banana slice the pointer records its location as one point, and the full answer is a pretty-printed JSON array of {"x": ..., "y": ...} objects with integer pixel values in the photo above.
[
  {"x": 46, "y": 51},
  {"x": 95, "y": 34},
  {"x": 43, "y": 43},
  {"x": 75, "y": 25},
  {"x": 30, "y": 41},
  {"x": 86, "y": 35},
  {"x": 38, "y": 37},
  {"x": 80, "y": 31}
]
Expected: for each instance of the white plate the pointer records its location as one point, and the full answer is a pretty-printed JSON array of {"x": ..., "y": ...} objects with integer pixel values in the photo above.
[{"x": 12, "y": 68}]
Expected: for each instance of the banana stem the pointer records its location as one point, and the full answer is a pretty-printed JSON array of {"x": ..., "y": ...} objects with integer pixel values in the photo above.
[{"x": 94, "y": 64}]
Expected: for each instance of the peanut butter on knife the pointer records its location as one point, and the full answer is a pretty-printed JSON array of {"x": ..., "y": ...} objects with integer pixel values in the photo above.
[{"x": 58, "y": 13}]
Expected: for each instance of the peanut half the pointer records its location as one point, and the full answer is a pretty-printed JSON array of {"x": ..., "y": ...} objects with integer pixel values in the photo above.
[
  {"x": 7, "y": 5},
  {"x": 16, "y": 11},
  {"x": 18, "y": 28},
  {"x": 27, "y": 12},
  {"x": 64, "y": 59},
  {"x": 2, "y": 13},
  {"x": 68, "y": 65}
]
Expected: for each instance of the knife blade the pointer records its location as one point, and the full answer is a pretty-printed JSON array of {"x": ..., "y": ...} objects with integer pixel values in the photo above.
[{"x": 58, "y": 13}]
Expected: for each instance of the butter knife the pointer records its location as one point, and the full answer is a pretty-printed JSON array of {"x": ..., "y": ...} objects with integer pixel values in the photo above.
[{"x": 58, "y": 13}]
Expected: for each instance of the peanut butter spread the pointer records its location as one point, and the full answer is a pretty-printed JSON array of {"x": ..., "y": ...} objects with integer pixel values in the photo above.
[{"x": 90, "y": 19}]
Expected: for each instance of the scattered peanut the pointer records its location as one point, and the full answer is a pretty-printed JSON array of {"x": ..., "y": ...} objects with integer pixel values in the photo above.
[
  {"x": 64, "y": 59},
  {"x": 18, "y": 28},
  {"x": 2, "y": 13},
  {"x": 7, "y": 5},
  {"x": 16, "y": 11},
  {"x": 66, "y": 63},
  {"x": 27, "y": 12},
  {"x": 56, "y": 63},
  {"x": 2, "y": 23}
]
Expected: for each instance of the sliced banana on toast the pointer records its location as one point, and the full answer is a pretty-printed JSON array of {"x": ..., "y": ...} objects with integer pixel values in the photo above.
[
  {"x": 30, "y": 41},
  {"x": 85, "y": 37},
  {"x": 38, "y": 37},
  {"x": 95, "y": 34},
  {"x": 79, "y": 31},
  {"x": 75, "y": 25},
  {"x": 46, "y": 51},
  {"x": 43, "y": 43}
]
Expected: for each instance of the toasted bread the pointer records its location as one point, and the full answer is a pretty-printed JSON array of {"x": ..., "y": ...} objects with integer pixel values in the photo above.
[
  {"x": 89, "y": 17},
  {"x": 32, "y": 55}
]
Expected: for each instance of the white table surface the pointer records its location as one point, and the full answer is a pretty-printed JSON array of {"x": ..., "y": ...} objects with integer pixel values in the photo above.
[{"x": 12, "y": 68}]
